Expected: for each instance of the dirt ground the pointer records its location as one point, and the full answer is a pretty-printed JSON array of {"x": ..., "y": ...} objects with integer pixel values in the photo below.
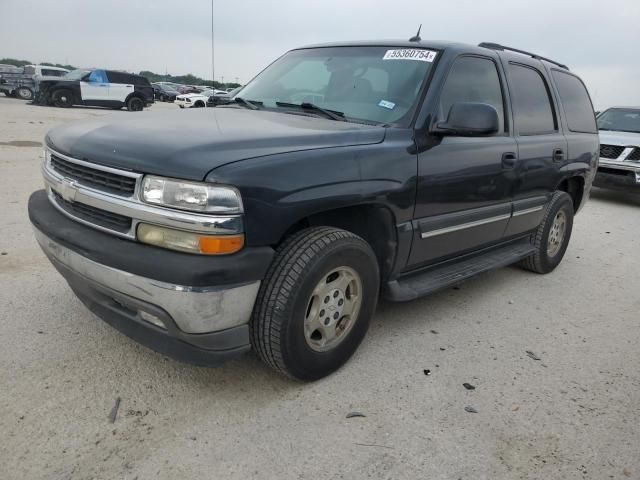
[{"x": 573, "y": 414}]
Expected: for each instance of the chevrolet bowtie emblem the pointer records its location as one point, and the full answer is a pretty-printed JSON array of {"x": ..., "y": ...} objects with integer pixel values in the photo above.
[{"x": 67, "y": 190}]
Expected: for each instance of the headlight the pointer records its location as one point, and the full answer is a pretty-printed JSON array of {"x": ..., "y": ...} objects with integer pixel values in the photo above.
[
  {"x": 188, "y": 241},
  {"x": 197, "y": 197}
]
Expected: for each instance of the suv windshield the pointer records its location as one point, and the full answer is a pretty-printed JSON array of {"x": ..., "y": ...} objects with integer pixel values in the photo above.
[
  {"x": 620, "y": 119},
  {"x": 76, "y": 74},
  {"x": 370, "y": 84}
]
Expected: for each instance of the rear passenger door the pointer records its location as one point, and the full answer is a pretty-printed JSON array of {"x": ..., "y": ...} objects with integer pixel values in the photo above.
[
  {"x": 121, "y": 85},
  {"x": 542, "y": 146}
]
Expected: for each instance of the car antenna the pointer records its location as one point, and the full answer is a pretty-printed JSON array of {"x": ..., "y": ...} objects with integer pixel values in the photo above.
[{"x": 416, "y": 38}]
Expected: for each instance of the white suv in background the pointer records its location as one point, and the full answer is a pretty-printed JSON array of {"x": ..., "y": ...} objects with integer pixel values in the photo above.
[{"x": 619, "y": 166}]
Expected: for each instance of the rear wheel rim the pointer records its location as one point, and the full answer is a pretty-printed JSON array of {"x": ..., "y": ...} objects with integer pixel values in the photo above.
[
  {"x": 557, "y": 233},
  {"x": 26, "y": 94},
  {"x": 333, "y": 309}
]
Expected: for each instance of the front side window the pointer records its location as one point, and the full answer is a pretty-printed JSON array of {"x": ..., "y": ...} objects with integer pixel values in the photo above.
[
  {"x": 576, "y": 102},
  {"x": 532, "y": 110},
  {"x": 473, "y": 79},
  {"x": 620, "y": 120},
  {"x": 98, "y": 76},
  {"x": 368, "y": 84}
]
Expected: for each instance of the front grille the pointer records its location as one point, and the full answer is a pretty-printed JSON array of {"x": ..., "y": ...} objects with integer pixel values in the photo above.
[
  {"x": 635, "y": 155},
  {"x": 91, "y": 177},
  {"x": 611, "y": 151},
  {"x": 96, "y": 216}
]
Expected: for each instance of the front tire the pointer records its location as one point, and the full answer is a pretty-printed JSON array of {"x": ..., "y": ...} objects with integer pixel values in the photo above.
[
  {"x": 62, "y": 98},
  {"x": 199, "y": 104},
  {"x": 552, "y": 237},
  {"x": 315, "y": 303},
  {"x": 135, "y": 104}
]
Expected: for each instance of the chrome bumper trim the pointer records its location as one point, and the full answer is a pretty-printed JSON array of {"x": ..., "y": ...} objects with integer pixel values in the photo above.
[
  {"x": 194, "y": 309},
  {"x": 131, "y": 207}
]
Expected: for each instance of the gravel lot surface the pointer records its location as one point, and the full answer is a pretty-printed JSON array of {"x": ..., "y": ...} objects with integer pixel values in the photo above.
[{"x": 573, "y": 414}]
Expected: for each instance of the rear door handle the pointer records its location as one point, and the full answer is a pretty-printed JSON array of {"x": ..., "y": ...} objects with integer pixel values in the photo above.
[
  {"x": 558, "y": 155},
  {"x": 509, "y": 160}
]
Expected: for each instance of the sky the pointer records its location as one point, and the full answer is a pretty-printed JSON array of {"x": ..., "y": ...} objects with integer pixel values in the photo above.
[{"x": 598, "y": 40}]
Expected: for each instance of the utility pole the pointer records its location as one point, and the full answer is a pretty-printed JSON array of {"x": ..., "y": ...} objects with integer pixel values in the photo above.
[
  {"x": 222, "y": 81},
  {"x": 213, "y": 68}
]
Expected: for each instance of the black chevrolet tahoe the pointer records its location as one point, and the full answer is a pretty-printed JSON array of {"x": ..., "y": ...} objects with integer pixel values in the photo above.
[{"x": 342, "y": 172}]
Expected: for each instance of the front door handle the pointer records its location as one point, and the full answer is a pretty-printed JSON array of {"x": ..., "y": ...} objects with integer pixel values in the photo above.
[
  {"x": 509, "y": 160},
  {"x": 558, "y": 155}
]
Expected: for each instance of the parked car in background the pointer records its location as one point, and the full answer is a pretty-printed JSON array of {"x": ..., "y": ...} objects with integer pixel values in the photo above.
[
  {"x": 183, "y": 89},
  {"x": 276, "y": 223},
  {"x": 194, "y": 100},
  {"x": 97, "y": 87},
  {"x": 222, "y": 98},
  {"x": 23, "y": 82},
  {"x": 619, "y": 166},
  {"x": 164, "y": 92}
]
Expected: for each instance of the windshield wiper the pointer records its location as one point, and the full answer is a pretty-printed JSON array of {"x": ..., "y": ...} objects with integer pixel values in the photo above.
[
  {"x": 250, "y": 104},
  {"x": 332, "y": 114}
]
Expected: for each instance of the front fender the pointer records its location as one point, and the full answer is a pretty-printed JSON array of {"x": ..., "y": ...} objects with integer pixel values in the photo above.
[{"x": 279, "y": 191}]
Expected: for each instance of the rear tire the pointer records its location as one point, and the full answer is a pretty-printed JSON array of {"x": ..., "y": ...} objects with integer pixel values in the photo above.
[
  {"x": 24, "y": 93},
  {"x": 62, "y": 98},
  {"x": 315, "y": 303},
  {"x": 135, "y": 104},
  {"x": 552, "y": 237}
]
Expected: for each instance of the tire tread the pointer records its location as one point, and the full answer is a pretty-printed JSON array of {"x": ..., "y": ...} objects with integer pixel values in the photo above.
[{"x": 290, "y": 264}]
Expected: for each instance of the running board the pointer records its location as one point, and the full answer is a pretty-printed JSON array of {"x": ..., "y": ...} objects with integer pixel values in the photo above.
[{"x": 428, "y": 281}]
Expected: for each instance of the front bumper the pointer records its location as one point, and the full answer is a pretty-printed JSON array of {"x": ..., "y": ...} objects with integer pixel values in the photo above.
[
  {"x": 618, "y": 175},
  {"x": 200, "y": 321}
]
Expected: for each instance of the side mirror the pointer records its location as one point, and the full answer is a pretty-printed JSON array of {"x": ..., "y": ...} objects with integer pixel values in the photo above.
[{"x": 468, "y": 119}]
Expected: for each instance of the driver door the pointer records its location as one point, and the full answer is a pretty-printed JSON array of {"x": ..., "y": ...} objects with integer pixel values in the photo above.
[
  {"x": 95, "y": 86},
  {"x": 464, "y": 183}
]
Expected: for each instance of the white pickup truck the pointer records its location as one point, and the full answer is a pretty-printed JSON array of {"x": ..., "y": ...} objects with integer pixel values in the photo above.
[{"x": 22, "y": 82}]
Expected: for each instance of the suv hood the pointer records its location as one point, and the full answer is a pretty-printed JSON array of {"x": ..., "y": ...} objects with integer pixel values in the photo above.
[
  {"x": 190, "y": 144},
  {"x": 611, "y": 137}
]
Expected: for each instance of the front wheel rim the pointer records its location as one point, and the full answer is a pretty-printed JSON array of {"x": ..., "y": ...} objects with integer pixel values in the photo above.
[
  {"x": 333, "y": 309},
  {"x": 557, "y": 233}
]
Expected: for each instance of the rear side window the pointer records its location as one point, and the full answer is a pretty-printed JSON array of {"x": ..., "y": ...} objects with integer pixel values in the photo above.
[
  {"x": 473, "y": 79},
  {"x": 52, "y": 73},
  {"x": 119, "y": 77},
  {"x": 576, "y": 102},
  {"x": 532, "y": 110}
]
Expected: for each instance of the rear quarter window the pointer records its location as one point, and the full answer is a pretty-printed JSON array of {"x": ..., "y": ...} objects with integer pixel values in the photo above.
[{"x": 576, "y": 102}]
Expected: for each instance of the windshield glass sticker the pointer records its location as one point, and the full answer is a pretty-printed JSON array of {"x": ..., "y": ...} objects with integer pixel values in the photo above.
[
  {"x": 415, "y": 54},
  {"x": 386, "y": 104}
]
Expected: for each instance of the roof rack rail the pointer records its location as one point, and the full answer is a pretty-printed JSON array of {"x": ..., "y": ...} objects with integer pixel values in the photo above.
[{"x": 497, "y": 46}]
